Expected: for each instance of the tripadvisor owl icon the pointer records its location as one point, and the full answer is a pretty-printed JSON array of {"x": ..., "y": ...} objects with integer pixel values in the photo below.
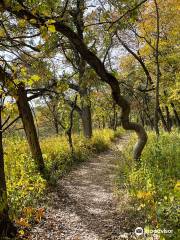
[{"x": 139, "y": 231}]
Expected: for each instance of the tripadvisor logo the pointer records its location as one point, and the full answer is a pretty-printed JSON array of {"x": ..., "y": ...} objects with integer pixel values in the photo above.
[{"x": 140, "y": 231}]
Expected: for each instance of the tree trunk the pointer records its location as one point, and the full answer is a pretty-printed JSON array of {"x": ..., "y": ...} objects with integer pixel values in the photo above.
[
  {"x": 86, "y": 112},
  {"x": 114, "y": 117},
  {"x": 149, "y": 119},
  {"x": 7, "y": 229},
  {"x": 118, "y": 120},
  {"x": 163, "y": 119},
  {"x": 56, "y": 125},
  {"x": 55, "y": 115},
  {"x": 142, "y": 118},
  {"x": 29, "y": 127},
  {"x": 103, "y": 122},
  {"x": 78, "y": 124},
  {"x": 158, "y": 73},
  {"x": 168, "y": 119},
  {"x": 176, "y": 115},
  {"x": 69, "y": 131},
  {"x": 86, "y": 121}
]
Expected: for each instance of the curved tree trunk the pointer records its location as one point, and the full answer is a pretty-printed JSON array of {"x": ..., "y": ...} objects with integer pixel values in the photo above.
[
  {"x": 105, "y": 76},
  {"x": 30, "y": 129},
  {"x": 99, "y": 68}
]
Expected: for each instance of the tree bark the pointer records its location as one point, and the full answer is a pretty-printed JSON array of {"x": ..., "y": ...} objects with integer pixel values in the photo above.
[
  {"x": 29, "y": 127},
  {"x": 55, "y": 117},
  {"x": 85, "y": 111},
  {"x": 87, "y": 121}
]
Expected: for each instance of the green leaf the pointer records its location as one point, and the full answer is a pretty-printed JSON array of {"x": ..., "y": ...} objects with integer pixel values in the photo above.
[{"x": 51, "y": 28}]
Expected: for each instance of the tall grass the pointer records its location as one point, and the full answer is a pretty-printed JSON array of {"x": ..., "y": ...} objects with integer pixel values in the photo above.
[
  {"x": 25, "y": 185},
  {"x": 154, "y": 181}
]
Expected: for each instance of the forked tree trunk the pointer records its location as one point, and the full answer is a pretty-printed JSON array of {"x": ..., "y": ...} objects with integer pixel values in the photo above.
[
  {"x": 84, "y": 113},
  {"x": 7, "y": 229},
  {"x": 29, "y": 127}
]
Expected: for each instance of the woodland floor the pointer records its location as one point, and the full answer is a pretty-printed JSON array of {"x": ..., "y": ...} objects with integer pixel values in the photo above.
[{"x": 86, "y": 206}]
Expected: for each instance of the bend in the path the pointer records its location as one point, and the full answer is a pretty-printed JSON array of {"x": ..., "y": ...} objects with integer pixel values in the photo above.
[{"x": 85, "y": 207}]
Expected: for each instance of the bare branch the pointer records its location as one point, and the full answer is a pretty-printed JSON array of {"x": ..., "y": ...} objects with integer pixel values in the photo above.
[{"x": 11, "y": 123}]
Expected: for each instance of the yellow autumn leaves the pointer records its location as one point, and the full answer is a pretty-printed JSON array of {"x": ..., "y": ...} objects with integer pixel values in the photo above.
[
  {"x": 24, "y": 76},
  {"x": 30, "y": 214},
  {"x": 49, "y": 27},
  {"x": 144, "y": 195}
]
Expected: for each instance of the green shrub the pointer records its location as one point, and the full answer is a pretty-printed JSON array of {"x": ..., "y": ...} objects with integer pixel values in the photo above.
[{"x": 154, "y": 182}]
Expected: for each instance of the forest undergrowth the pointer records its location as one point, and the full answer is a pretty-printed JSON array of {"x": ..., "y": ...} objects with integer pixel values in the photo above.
[
  {"x": 154, "y": 182},
  {"x": 25, "y": 185}
]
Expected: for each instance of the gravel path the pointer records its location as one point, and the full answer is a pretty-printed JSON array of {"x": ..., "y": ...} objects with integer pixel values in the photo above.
[{"x": 85, "y": 206}]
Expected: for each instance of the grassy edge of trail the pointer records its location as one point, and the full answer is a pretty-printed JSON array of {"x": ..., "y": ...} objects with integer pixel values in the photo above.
[
  {"x": 153, "y": 183},
  {"x": 25, "y": 185}
]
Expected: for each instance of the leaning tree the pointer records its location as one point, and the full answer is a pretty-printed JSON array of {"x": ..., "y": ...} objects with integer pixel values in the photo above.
[{"x": 50, "y": 21}]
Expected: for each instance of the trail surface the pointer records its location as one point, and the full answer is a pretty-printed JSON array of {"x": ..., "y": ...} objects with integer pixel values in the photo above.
[{"x": 85, "y": 206}]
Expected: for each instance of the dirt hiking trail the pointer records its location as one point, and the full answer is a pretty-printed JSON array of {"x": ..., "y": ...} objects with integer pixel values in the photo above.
[{"x": 85, "y": 205}]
